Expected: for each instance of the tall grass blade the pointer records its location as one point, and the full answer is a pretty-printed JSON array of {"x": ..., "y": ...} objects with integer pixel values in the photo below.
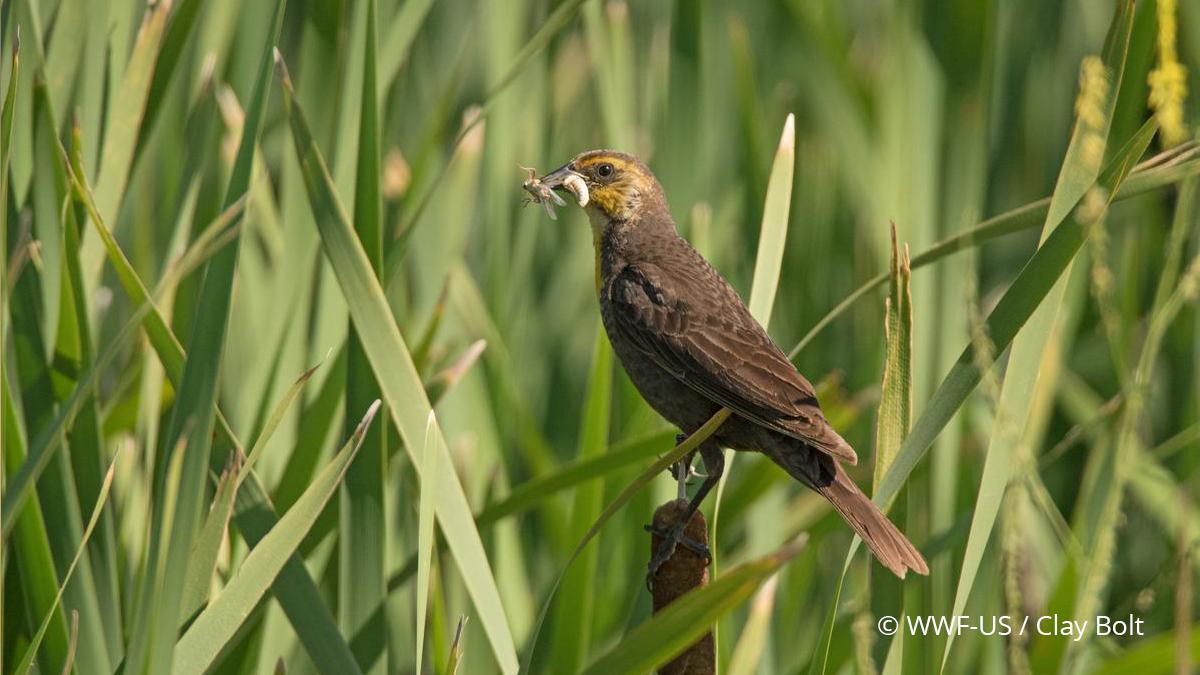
[
  {"x": 1080, "y": 170},
  {"x": 202, "y": 562},
  {"x": 399, "y": 382},
  {"x": 893, "y": 422},
  {"x": 213, "y": 629},
  {"x": 895, "y": 397},
  {"x": 171, "y": 541},
  {"x": 26, "y": 663},
  {"x": 1018, "y": 303},
  {"x": 772, "y": 237},
  {"x": 29, "y": 544},
  {"x": 254, "y": 513},
  {"x": 363, "y": 529}
]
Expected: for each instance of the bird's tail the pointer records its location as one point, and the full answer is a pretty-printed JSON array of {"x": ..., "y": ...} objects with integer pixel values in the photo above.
[{"x": 889, "y": 545}]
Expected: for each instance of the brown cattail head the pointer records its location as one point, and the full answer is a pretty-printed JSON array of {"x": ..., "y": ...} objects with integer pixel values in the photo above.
[{"x": 683, "y": 571}]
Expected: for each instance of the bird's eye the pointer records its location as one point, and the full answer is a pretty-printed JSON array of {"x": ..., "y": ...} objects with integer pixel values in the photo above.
[{"x": 604, "y": 170}]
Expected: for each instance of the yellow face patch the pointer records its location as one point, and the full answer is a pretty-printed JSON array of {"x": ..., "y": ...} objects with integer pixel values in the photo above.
[{"x": 618, "y": 194}]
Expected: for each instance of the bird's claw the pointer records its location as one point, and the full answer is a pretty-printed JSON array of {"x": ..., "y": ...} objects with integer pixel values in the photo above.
[{"x": 672, "y": 538}]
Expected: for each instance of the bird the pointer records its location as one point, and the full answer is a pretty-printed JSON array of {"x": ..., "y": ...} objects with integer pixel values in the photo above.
[{"x": 691, "y": 347}]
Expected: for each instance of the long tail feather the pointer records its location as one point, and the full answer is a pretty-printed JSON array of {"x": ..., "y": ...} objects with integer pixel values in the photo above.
[{"x": 889, "y": 545}]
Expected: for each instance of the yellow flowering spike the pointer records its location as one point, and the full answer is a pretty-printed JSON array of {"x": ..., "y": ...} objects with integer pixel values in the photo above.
[
  {"x": 1168, "y": 82},
  {"x": 1091, "y": 108}
]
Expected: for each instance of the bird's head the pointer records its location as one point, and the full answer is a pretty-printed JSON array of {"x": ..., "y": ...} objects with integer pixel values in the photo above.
[{"x": 612, "y": 186}]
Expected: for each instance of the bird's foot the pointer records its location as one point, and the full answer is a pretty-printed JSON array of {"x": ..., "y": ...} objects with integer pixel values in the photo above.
[{"x": 671, "y": 538}]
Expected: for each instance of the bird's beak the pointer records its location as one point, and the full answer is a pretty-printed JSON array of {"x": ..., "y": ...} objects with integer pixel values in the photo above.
[{"x": 567, "y": 178}]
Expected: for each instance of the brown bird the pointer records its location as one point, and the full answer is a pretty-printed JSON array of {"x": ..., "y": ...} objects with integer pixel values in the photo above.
[{"x": 691, "y": 347}]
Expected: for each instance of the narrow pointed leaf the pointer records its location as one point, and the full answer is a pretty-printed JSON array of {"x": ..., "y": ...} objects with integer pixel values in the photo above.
[
  {"x": 220, "y": 621},
  {"x": 399, "y": 381}
]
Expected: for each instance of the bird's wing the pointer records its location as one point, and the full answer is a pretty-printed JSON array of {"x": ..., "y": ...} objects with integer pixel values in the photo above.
[{"x": 723, "y": 354}]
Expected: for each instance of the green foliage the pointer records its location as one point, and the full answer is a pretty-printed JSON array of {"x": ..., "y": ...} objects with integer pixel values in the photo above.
[
  {"x": 895, "y": 390},
  {"x": 179, "y": 241}
]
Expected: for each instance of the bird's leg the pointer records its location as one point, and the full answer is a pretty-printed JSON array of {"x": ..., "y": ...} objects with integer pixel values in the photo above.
[
  {"x": 682, "y": 470},
  {"x": 714, "y": 465}
]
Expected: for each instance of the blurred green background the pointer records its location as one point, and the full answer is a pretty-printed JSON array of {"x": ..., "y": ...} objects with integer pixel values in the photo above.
[{"x": 1065, "y": 483}]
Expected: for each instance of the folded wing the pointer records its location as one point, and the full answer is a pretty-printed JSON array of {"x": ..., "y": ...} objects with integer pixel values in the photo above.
[{"x": 724, "y": 355}]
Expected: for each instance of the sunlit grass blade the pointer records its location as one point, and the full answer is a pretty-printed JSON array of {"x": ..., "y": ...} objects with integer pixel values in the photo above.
[
  {"x": 772, "y": 237},
  {"x": 399, "y": 381},
  {"x": 217, "y": 624},
  {"x": 73, "y": 645},
  {"x": 895, "y": 397},
  {"x": 27, "y": 660},
  {"x": 674, "y": 628},
  {"x": 203, "y": 559}
]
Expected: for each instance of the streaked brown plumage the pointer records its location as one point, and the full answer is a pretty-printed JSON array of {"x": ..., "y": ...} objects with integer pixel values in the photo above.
[{"x": 691, "y": 347}]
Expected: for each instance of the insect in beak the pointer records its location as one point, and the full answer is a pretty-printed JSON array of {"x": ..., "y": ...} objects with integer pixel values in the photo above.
[
  {"x": 540, "y": 193},
  {"x": 541, "y": 190}
]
